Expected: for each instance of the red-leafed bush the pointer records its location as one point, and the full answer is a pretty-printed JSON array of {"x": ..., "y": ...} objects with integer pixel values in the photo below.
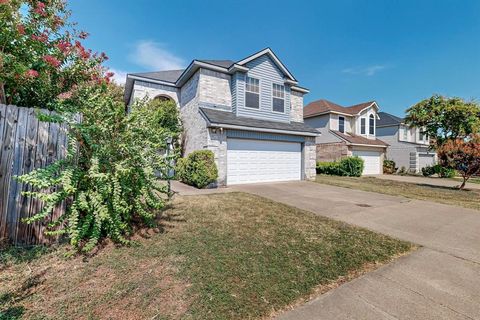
[{"x": 462, "y": 155}]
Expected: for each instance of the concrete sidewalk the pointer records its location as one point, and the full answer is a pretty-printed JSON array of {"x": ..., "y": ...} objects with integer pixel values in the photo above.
[
  {"x": 439, "y": 281},
  {"x": 433, "y": 181}
]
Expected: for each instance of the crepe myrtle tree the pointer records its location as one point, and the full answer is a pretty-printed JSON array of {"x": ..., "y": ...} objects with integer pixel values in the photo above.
[
  {"x": 42, "y": 58},
  {"x": 107, "y": 178},
  {"x": 462, "y": 155},
  {"x": 443, "y": 118}
]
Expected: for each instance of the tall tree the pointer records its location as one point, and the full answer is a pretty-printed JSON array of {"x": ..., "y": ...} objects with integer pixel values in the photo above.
[
  {"x": 443, "y": 118},
  {"x": 42, "y": 58}
]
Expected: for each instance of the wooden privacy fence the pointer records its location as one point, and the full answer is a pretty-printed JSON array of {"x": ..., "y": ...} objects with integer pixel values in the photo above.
[{"x": 25, "y": 144}]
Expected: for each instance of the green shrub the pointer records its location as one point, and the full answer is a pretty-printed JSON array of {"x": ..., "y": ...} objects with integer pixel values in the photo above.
[
  {"x": 428, "y": 171},
  {"x": 389, "y": 166},
  {"x": 108, "y": 176},
  {"x": 198, "y": 169},
  {"x": 330, "y": 168},
  {"x": 350, "y": 166},
  {"x": 444, "y": 172},
  {"x": 353, "y": 166}
]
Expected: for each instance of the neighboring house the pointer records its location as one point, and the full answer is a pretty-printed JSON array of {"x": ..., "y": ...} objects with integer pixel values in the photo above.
[
  {"x": 347, "y": 131},
  {"x": 248, "y": 112},
  {"x": 409, "y": 147}
]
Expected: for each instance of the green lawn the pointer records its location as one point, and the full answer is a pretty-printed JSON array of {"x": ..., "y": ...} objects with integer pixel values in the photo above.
[
  {"x": 221, "y": 256},
  {"x": 446, "y": 195}
]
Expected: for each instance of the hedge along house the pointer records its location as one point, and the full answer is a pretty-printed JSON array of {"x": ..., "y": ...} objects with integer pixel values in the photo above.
[
  {"x": 347, "y": 131},
  {"x": 248, "y": 112}
]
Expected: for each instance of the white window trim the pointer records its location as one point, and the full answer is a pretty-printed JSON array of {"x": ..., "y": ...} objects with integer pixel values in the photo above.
[
  {"x": 365, "y": 127},
  {"x": 259, "y": 93},
  {"x": 343, "y": 124},
  {"x": 372, "y": 116},
  {"x": 284, "y": 98}
]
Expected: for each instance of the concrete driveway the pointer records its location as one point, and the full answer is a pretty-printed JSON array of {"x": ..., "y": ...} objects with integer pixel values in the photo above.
[{"x": 441, "y": 280}]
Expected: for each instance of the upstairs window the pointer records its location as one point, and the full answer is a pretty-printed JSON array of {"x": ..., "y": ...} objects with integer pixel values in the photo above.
[
  {"x": 371, "y": 125},
  {"x": 278, "y": 98},
  {"x": 363, "y": 126},
  {"x": 341, "y": 124},
  {"x": 421, "y": 135},
  {"x": 252, "y": 93},
  {"x": 405, "y": 134}
]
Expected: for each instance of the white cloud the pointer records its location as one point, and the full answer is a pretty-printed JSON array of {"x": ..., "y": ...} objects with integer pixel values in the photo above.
[
  {"x": 119, "y": 76},
  {"x": 366, "y": 71},
  {"x": 155, "y": 57}
]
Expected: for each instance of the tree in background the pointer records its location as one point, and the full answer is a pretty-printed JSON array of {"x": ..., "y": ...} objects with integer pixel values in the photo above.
[
  {"x": 42, "y": 58},
  {"x": 443, "y": 118},
  {"x": 463, "y": 155}
]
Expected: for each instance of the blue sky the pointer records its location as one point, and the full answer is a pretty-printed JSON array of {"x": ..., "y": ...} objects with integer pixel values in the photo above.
[{"x": 394, "y": 52}]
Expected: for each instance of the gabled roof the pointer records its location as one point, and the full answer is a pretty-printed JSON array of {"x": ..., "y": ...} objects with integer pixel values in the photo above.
[
  {"x": 387, "y": 119},
  {"x": 226, "y": 119},
  {"x": 324, "y": 106},
  {"x": 176, "y": 78},
  {"x": 275, "y": 59},
  {"x": 359, "y": 140}
]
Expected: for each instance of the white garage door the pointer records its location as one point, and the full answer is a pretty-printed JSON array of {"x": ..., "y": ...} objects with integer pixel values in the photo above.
[
  {"x": 425, "y": 160},
  {"x": 372, "y": 161},
  {"x": 250, "y": 161}
]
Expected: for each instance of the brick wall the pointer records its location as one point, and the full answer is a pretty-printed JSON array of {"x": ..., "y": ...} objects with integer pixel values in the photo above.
[{"x": 331, "y": 151}]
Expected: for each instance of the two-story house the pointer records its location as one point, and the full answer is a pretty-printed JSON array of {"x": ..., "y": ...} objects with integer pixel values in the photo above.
[
  {"x": 409, "y": 147},
  {"x": 347, "y": 131},
  {"x": 248, "y": 112}
]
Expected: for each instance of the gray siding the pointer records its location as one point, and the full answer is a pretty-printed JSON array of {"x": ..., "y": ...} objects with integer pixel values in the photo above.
[
  {"x": 263, "y": 136},
  {"x": 318, "y": 122},
  {"x": 264, "y": 69}
]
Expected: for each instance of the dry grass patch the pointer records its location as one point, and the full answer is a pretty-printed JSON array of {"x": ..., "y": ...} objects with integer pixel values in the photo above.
[
  {"x": 223, "y": 256},
  {"x": 446, "y": 195}
]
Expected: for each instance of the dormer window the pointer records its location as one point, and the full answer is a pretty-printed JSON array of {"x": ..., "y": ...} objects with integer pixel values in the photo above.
[
  {"x": 278, "y": 98},
  {"x": 341, "y": 124},
  {"x": 371, "y": 125},
  {"x": 405, "y": 134},
  {"x": 363, "y": 126},
  {"x": 252, "y": 93}
]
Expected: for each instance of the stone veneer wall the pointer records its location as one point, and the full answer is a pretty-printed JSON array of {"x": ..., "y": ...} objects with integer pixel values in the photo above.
[
  {"x": 296, "y": 103},
  {"x": 215, "y": 89},
  {"x": 217, "y": 143},
  {"x": 194, "y": 124},
  {"x": 143, "y": 89},
  {"x": 309, "y": 158},
  {"x": 331, "y": 151}
]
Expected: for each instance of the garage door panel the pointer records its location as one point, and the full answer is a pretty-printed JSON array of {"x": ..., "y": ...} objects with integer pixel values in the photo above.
[
  {"x": 250, "y": 161},
  {"x": 371, "y": 161},
  {"x": 425, "y": 160}
]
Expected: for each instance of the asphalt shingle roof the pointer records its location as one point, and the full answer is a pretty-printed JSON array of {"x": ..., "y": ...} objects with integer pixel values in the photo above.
[
  {"x": 219, "y": 63},
  {"x": 167, "y": 76},
  {"x": 387, "y": 119},
  {"x": 228, "y": 118},
  {"x": 322, "y": 106},
  {"x": 354, "y": 139}
]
